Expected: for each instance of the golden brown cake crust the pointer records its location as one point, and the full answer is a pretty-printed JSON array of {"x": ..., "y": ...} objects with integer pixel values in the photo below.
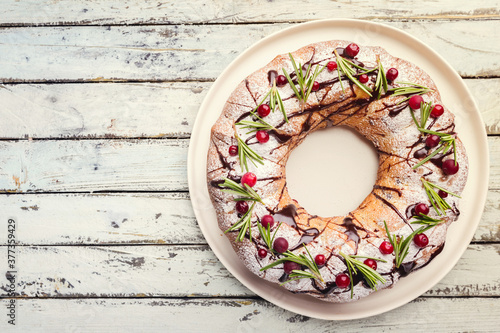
[{"x": 386, "y": 122}]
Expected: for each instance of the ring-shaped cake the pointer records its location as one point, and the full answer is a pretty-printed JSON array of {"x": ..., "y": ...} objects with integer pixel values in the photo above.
[{"x": 399, "y": 227}]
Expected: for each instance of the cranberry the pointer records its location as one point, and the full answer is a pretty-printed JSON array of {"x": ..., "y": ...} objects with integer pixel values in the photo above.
[
  {"x": 363, "y": 78},
  {"x": 289, "y": 266},
  {"x": 332, "y": 65},
  {"x": 262, "y": 136},
  {"x": 342, "y": 280},
  {"x": 421, "y": 240},
  {"x": 415, "y": 101},
  {"x": 280, "y": 245},
  {"x": 371, "y": 263},
  {"x": 432, "y": 141},
  {"x": 449, "y": 167},
  {"x": 233, "y": 150},
  {"x": 267, "y": 220},
  {"x": 262, "y": 253},
  {"x": 421, "y": 208},
  {"x": 386, "y": 247},
  {"x": 320, "y": 260},
  {"x": 242, "y": 207},
  {"x": 442, "y": 194},
  {"x": 315, "y": 86},
  {"x": 351, "y": 50},
  {"x": 263, "y": 110},
  {"x": 281, "y": 80},
  {"x": 249, "y": 178},
  {"x": 437, "y": 111},
  {"x": 392, "y": 74}
]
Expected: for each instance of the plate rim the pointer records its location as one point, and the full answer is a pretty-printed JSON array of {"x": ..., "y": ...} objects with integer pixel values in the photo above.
[{"x": 193, "y": 190}]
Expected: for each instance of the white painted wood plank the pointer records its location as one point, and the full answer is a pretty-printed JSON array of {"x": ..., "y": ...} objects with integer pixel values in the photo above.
[
  {"x": 486, "y": 93},
  {"x": 115, "y": 165},
  {"x": 187, "y": 270},
  {"x": 216, "y": 11},
  {"x": 198, "y": 52},
  {"x": 113, "y": 218},
  {"x": 135, "y": 218},
  {"x": 242, "y": 315},
  {"x": 139, "y": 109},
  {"x": 93, "y": 165},
  {"x": 87, "y": 110}
]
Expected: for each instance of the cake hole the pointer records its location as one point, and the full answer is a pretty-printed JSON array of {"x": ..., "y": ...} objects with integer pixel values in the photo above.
[{"x": 332, "y": 171}]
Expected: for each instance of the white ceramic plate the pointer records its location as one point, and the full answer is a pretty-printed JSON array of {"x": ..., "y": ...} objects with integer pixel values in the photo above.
[{"x": 455, "y": 96}]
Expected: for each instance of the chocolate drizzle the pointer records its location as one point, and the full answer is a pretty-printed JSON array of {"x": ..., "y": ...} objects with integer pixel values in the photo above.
[
  {"x": 308, "y": 236},
  {"x": 287, "y": 215},
  {"x": 421, "y": 153},
  {"x": 380, "y": 187},
  {"x": 396, "y": 109},
  {"x": 410, "y": 211},
  {"x": 271, "y": 76},
  {"x": 351, "y": 231},
  {"x": 391, "y": 206}
]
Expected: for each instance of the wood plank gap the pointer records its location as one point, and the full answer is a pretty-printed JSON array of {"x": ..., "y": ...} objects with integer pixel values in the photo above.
[
  {"x": 110, "y": 81},
  {"x": 212, "y": 297},
  {"x": 96, "y": 192},
  {"x": 383, "y": 19}
]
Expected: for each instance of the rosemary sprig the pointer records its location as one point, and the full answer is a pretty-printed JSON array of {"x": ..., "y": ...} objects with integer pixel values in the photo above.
[
  {"x": 244, "y": 224},
  {"x": 401, "y": 245},
  {"x": 439, "y": 204},
  {"x": 425, "y": 112},
  {"x": 371, "y": 276},
  {"x": 381, "y": 81},
  {"x": 409, "y": 88},
  {"x": 304, "y": 80},
  {"x": 254, "y": 126},
  {"x": 276, "y": 101},
  {"x": 426, "y": 220},
  {"x": 447, "y": 141},
  {"x": 344, "y": 66},
  {"x": 265, "y": 234},
  {"x": 245, "y": 153},
  {"x": 302, "y": 260},
  {"x": 244, "y": 193}
]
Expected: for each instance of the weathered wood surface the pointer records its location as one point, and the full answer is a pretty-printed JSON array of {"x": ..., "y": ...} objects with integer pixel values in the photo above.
[
  {"x": 93, "y": 165},
  {"x": 145, "y": 271},
  {"x": 152, "y": 53},
  {"x": 65, "y": 12},
  {"x": 244, "y": 315},
  {"x": 133, "y": 258},
  {"x": 140, "y": 110},
  {"x": 114, "y": 165},
  {"x": 136, "y": 218}
]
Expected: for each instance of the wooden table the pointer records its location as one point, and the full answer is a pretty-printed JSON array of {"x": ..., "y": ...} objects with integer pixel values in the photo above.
[{"x": 97, "y": 102}]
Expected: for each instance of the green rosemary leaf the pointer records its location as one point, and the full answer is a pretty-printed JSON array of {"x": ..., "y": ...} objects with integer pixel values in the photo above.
[
  {"x": 434, "y": 153},
  {"x": 427, "y": 221},
  {"x": 244, "y": 192},
  {"x": 381, "y": 84},
  {"x": 304, "y": 81},
  {"x": 245, "y": 153},
  {"x": 302, "y": 260},
  {"x": 401, "y": 245},
  {"x": 409, "y": 88},
  {"x": 353, "y": 266},
  {"x": 425, "y": 111},
  {"x": 281, "y": 106},
  {"x": 244, "y": 224},
  {"x": 254, "y": 126},
  {"x": 292, "y": 85},
  {"x": 344, "y": 67}
]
